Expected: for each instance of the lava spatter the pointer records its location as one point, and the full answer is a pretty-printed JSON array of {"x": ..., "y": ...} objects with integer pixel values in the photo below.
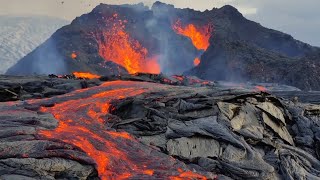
[
  {"x": 199, "y": 35},
  {"x": 117, "y": 155},
  {"x": 118, "y": 46},
  {"x": 196, "y": 61},
  {"x": 74, "y": 55}
]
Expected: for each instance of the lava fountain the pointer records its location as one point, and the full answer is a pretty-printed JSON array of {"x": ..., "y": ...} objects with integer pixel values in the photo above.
[
  {"x": 117, "y": 46},
  {"x": 199, "y": 35}
]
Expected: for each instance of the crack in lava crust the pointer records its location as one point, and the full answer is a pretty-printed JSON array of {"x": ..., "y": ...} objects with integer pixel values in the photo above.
[{"x": 117, "y": 155}]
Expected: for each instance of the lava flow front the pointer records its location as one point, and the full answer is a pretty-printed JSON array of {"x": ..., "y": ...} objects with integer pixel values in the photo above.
[
  {"x": 83, "y": 123},
  {"x": 199, "y": 35},
  {"x": 117, "y": 46},
  {"x": 85, "y": 75}
]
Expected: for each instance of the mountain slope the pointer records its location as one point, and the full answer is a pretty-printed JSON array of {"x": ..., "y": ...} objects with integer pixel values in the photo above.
[
  {"x": 240, "y": 50},
  {"x": 20, "y": 35}
]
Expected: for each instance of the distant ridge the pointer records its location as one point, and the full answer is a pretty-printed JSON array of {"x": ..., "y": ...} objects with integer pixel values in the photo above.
[{"x": 19, "y": 35}]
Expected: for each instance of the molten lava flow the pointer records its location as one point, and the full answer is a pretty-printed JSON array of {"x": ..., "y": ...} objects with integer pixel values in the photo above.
[
  {"x": 261, "y": 88},
  {"x": 191, "y": 80},
  {"x": 199, "y": 35},
  {"x": 119, "y": 47},
  {"x": 196, "y": 62},
  {"x": 81, "y": 129},
  {"x": 74, "y": 55},
  {"x": 85, "y": 75},
  {"x": 82, "y": 117},
  {"x": 187, "y": 175},
  {"x": 179, "y": 77}
]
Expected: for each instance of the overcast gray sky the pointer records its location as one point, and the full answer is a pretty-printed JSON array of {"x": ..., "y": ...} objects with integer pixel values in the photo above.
[{"x": 296, "y": 17}]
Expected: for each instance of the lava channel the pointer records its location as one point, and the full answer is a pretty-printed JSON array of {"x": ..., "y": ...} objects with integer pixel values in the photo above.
[{"x": 117, "y": 155}]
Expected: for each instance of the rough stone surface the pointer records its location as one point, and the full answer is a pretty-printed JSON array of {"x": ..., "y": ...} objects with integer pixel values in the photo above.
[
  {"x": 215, "y": 133},
  {"x": 32, "y": 87},
  {"x": 193, "y": 147},
  {"x": 273, "y": 111}
]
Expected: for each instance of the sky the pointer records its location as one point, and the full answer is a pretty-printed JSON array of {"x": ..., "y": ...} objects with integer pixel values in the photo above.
[{"x": 295, "y": 17}]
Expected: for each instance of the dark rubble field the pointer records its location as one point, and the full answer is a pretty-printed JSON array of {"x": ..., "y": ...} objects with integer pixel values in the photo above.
[{"x": 149, "y": 127}]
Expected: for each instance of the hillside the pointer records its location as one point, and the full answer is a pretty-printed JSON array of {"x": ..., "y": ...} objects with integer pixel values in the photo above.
[
  {"x": 20, "y": 35},
  {"x": 115, "y": 39}
]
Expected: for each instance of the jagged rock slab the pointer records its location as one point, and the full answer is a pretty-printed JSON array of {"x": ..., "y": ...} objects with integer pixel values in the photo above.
[
  {"x": 251, "y": 150},
  {"x": 193, "y": 147},
  {"x": 30, "y": 87}
]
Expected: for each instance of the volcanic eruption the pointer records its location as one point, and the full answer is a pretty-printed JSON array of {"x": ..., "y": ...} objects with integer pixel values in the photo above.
[
  {"x": 116, "y": 45},
  {"x": 125, "y": 39},
  {"x": 122, "y": 112},
  {"x": 198, "y": 35},
  {"x": 219, "y": 44}
]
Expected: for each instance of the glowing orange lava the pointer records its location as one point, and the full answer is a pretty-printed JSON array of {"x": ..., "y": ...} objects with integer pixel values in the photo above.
[
  {"x": 74, "y": 55},
  {"x": 77, "y": 131},
  {"x": 119, "y": 47},
  {"x": 82, "y": 116},
  {"x": 86, "y": 75},
  {"x": 199, "y": 35},
  {"x": 196, "y": 62},
  {"x": 187, "y": 175},
  {"x": 261, "y": 88}
]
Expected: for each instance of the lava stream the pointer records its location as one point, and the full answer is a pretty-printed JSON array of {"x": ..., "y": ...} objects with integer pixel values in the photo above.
[
  {"x": 85, "y": 75},
  {"x": 82, "y": 118}
]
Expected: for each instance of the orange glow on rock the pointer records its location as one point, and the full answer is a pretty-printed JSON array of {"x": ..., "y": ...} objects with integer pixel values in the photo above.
[
  {"x": 148, "y": 172},
  {"x": 74, "y": 55},
  {"x": 178, "y": 77},
  {"x": 199, "y": 35},
  {"x": 196, "y": 62},
  {"x": 119, "y": 47},
  {"x": 187, "y": 175},
  {"x": 86, "y": 75},
  {"x": 261, "y": 88}
]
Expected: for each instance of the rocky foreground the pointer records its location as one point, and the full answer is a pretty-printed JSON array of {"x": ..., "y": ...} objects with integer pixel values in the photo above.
[{"x": 146, "y": 127}]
